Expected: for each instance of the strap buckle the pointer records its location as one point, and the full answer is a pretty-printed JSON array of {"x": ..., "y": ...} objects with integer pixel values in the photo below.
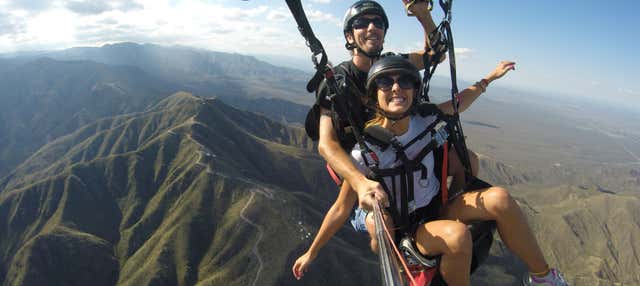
[{"x": 440, "y": 133}]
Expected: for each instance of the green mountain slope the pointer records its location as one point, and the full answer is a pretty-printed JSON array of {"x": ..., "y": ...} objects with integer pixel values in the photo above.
[
  {"x": 189, "y": 192},
  {"x": 44, "y": 98}
]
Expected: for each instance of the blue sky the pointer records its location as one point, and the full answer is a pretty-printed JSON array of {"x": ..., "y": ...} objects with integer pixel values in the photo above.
[{"x": 583, "y": 48}]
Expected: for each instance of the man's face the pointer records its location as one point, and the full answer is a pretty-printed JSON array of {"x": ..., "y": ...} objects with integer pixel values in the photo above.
[{"x": 368, "y": 33}]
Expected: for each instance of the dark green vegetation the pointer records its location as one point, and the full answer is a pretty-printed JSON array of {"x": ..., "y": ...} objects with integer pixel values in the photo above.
[{"x": 105, "y": 179}]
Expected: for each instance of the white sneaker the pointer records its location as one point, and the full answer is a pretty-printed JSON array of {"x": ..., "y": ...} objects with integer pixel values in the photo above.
[{"x": 553, "y": 278}]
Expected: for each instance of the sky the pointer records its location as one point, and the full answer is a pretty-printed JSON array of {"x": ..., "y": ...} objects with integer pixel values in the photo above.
[{"x": 585, "y": 48}]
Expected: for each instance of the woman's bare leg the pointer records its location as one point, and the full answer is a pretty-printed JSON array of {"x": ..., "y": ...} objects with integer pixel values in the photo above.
[
  {"x": 453, "y": 241},
  {"x": 495, "y": 203}
]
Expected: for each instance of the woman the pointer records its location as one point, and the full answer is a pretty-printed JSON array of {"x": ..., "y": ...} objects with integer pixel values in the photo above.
[{"x": 392, "y": 84}]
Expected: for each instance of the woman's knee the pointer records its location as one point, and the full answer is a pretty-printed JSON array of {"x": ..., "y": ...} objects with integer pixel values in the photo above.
[
  {"x": 446, "y": 237},
  {"x": 498, "y": 200},
  {"x": 457, "y": 237}
]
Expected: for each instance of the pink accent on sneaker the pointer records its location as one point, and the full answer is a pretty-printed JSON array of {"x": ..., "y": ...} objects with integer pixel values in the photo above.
[{"x": 553, "y": 278}]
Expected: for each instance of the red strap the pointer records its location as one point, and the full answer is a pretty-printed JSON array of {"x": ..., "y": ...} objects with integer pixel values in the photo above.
[
  {"x": 443, "y": 180},
  {"x": 334, "y": 176}
]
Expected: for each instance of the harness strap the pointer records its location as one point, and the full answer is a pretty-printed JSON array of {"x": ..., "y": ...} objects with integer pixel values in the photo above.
[
  {"x": 404, "y": 202},
  {"x": 443, "y": 180}
]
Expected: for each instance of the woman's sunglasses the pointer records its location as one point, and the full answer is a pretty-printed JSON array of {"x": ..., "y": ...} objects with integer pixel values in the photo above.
[
  {"x": 362, "y": 23},
  {"x": 385, "y": 83}
]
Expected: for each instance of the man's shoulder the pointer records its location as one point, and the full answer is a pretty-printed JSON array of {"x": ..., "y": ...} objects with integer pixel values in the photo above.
[{"x": 347, "y": 67}]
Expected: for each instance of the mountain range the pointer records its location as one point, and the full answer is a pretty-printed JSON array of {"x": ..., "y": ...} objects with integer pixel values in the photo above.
[
  {"x": 168, "y": 196},
  {"x": 48, "y": 94}
]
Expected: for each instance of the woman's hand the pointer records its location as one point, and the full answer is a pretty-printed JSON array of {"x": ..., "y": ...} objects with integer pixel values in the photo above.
[
  {"x": 302, "y": 264},
  {"x": 503, "y": 68}
]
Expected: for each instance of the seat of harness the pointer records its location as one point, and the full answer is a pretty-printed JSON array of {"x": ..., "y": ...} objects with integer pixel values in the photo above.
[{"x": 481, "y": 234}]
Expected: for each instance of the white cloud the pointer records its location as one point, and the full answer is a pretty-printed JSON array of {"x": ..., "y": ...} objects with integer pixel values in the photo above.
[
  {"x": 319, "y": 16},
  {"x": 9, "y": 24},
  {"x": 94, "y": 7},
  {"x": 464, "y": 53},
  {"x": 626, "y": 91},
  {"x": 278, "y": 15},
  {"x": 321, "y": 1},
  {"x": 243, "y": 27}
]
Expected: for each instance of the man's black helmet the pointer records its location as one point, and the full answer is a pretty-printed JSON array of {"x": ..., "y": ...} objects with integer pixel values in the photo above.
[
  {"x": 364, "y": 7},
  {"x": 391, "y": 65}
]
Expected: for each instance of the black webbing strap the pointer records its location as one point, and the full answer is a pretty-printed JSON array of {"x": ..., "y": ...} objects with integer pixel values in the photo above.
[
  {"x": 444, "y": 34},
  {"x": 430, "y": 59},
  {"x": 312, "y": 42}
]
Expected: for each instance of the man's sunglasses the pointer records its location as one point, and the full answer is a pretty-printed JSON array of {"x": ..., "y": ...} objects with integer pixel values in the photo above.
[
  {"x": 385, "y": 83},
  {"x": 363, "y": 23}
]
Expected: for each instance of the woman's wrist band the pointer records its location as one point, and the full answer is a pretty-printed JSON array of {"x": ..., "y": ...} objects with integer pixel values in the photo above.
[{"x": 482, "y": 84}]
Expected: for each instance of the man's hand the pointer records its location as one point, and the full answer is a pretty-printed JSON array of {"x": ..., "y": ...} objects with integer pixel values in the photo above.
[
  {"x": 419, "y": 8},
  {"x": 369, "y": 193}
]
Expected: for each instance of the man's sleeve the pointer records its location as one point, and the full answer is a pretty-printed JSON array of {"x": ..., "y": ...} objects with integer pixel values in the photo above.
[{"x": 323, "y": 95}]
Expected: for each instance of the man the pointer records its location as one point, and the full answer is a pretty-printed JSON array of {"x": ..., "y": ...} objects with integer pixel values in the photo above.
[{"x": 365, "y": 27}]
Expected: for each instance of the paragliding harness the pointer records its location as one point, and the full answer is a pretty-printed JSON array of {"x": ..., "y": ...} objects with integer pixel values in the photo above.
[
  {"x": 442, "y": 134},
  {"x": 435, "y": 138}
]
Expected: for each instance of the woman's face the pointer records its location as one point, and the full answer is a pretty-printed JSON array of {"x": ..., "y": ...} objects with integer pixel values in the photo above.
[{"x": 395, "y": 93}]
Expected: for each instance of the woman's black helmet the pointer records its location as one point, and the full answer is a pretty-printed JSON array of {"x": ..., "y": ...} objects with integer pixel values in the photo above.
[
  {"x": 363, "y": 7},
  {"x": 391, "y": 64}
]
